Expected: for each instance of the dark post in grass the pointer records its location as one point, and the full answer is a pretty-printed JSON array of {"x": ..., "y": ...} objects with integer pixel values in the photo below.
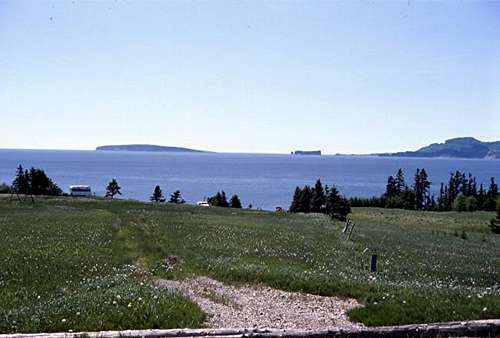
[{"x": 373, "y": 263}]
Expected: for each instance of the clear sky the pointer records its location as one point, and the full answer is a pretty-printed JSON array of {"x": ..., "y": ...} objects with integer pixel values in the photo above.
[{"x": 248, "y": 76}]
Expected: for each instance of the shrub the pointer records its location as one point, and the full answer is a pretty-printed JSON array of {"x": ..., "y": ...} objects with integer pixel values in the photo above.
[
  {"x": 471, "y": 203},
  {"x": 460, "y": 203},
  {"x": 4, "y": 188}
]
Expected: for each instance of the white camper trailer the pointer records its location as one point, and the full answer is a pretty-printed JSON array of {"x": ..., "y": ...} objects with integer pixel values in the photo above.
[{"x": 80, "y": 190}]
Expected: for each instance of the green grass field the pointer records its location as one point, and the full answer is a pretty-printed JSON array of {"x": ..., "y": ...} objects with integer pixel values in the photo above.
[{"x": 84, "y": 264}]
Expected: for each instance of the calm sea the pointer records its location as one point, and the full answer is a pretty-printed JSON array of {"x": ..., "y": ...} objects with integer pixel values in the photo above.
[{"x": 265, "y": 181}]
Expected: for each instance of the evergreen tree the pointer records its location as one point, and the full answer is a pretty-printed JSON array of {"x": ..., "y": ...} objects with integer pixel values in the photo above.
[
  {"x": 481, "y": 197},
  {"x": 176, "y": 198},
  {"x": 391, "y": 189},
  {"x": 432, "y": 204},
  {"x": 490, "y": 201},
  {"x": 421, "y": 188},
  {"x": 113, "y": 189},
  {"x": 409, "y": 199},
  {"x": 34, "y": 182},
  {"x": 337, "y": 206},
  {"x": 224, "y": 202},
  {"x": 441, "y": 201},
  {"x": 493, "y": 189},
  {"x": 41, "y": 184},
  {"x": 400, "y": 181},
  {"x": 21, "y": 184},
  {"x": 218, "y": 200},
  {"x": 305, "y": 200},
  {"x": 295, "y": 206},
  {"x": 235, "y": 202},
  {"x": 317, "y": 197},
  {"x": 495, "y": 223},
  {"x": 157, "y": 195}
]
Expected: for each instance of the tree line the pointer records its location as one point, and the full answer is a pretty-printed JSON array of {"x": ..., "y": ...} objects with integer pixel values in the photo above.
[
  {"x": 36, "y": 182},
  {"x": 33, "y": 182},
  {"x": 220, "y": 200},
  {"x": 217, "y": 200},
  {"x": 460, "y": 193},
  {"x": 320, "y": 199}
]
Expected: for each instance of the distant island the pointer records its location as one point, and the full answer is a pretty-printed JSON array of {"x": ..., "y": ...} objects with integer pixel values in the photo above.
[
  {"x": 305, "y": 152},
  {"x": 147, "y": 147},
  {"x": 462, "y": 147}
]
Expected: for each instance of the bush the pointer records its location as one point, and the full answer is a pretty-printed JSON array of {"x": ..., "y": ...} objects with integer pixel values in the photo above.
[
  {"x": 471, "y": 204},
  {"x": 460, "y": 203},
  {"x": 4, "y": 189},
  {"x": 395, "y": 202},
  {"x": 489, "y": 204}
]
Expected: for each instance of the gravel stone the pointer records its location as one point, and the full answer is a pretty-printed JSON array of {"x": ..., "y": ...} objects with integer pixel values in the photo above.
[{"x": 249, "y": 306}]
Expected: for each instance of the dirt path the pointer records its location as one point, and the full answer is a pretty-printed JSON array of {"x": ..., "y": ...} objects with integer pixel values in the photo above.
[{"x": 263, "y": 307}]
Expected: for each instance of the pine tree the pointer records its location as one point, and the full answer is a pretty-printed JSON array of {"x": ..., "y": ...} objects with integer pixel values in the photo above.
[
  {"x": 421, "y": 188},
  {"x": 218, "y": 200},
  {"x": 235, "y": 202},
  {"x": 224, "y": 202},
  {"x": 481, "y": 197},
  {"x": 176, "y": 198},
  {"x": 305, "y": 200},
  {"x": 295, "y": 206},
  {"x": 157, "y": 195},
  {"x": 441, "y": 201},
  {"x": 400, "y": 181},
  {"x": 317, "y": 197},
  {"x": 337, "y": 206},
  {"x": 493, "y": 189},
  {"x": 490, "y": 202},
  {"x": 113, "y": 189},
  {"x": 495, "y": 223},
  {"x": 391, "y": 189},
  {"x": 21, "y": 184},
  {"x": 38, "y": 183}
]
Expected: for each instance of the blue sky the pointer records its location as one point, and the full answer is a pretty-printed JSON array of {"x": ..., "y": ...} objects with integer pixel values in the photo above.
[{"x": 248, "y": 76}]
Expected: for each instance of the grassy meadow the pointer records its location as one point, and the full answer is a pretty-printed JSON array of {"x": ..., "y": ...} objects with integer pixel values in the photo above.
[{"x": 88, "y": 264}]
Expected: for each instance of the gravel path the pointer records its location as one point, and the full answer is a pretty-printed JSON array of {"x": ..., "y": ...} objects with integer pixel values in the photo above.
[{"x": 248, "y": 306}]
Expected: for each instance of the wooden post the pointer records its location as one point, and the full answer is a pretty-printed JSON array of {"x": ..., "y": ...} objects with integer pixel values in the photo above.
[
  {"x": 346, "y": 227},
  {"x": 351, "y": 230},
  {"x": 373, "y": 263}
]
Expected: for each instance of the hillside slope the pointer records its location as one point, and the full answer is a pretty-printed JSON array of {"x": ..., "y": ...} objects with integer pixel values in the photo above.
[
  {"x": 78, "y": 263},
  {"x": 464, "y": 147}
]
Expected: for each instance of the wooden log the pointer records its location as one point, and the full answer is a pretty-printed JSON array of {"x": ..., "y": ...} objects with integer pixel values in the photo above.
[{"x": 476, "y": 328}]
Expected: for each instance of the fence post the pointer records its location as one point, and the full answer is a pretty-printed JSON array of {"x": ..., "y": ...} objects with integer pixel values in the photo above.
[{"x": 373, "y": 263}]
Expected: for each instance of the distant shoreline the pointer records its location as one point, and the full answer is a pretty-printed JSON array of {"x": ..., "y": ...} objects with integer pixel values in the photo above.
[{"x": 394, "y": 156}]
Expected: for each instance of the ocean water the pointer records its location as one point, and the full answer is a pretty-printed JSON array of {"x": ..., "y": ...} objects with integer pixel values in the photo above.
[{"x": 265, "y": 181}]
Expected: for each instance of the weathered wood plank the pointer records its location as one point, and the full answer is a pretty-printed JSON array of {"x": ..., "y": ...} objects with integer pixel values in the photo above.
[{"x": 477, "y": 328}]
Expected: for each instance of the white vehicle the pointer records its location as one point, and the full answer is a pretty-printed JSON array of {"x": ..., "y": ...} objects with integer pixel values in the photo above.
[
  {"x": 202, "y": 204},
  {"x": 80, "y": 190}
]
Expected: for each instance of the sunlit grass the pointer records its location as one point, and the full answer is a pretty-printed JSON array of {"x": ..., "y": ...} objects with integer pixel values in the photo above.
[{"x": 78, "y": 255}]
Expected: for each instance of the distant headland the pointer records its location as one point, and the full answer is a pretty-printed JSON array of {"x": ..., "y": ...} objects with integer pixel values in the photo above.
[
  {"x": 148, "y": 147},
  {"x": 462, "y": 147},
  {"x": 306, "y": 152}
]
